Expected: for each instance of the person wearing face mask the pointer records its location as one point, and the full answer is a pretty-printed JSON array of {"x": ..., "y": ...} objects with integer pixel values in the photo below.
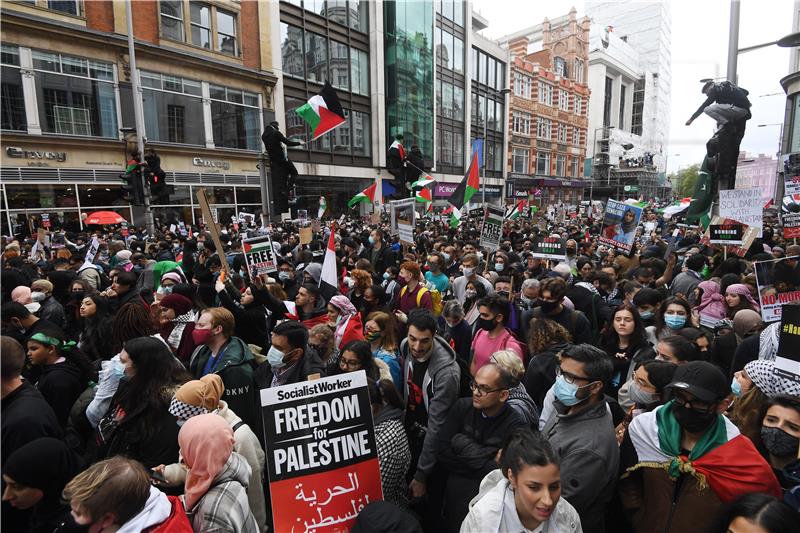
[
  {"x": 379, "y": 253},
  {"x": 434, "y": 275},
  {"x": 780, "y": 437},
  {"x": 390, "y": 283},
  {"x": 51, "y": 309},
  {"x": 469, "y": 274},
  {"x": 551, "y": 306},
  {"x": 457, "y": 331},
  {"x": 645, "y": 390},
  {"x": 578, "y": 424},
  {"x": 220, "y": 352},
  {"x": 647, "y": 302},
  {"x": 19, "y": 323},
  {"x": 667, "y": 451},
  {"x": 286, "y": 276},
  {"x": 492, "y": 335},
  {"x": 289, "y": 360},
  {"x": 673, "y": 314}
]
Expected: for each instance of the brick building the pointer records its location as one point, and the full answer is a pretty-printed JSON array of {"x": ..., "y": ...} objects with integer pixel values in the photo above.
[{"x": 548, "y": 110}]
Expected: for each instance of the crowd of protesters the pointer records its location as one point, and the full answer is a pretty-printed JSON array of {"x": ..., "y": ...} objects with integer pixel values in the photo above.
[{"x": 601, "y": 392}]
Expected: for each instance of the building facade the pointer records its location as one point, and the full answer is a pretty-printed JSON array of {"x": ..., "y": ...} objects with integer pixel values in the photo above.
[
  {"x": 548, "y": 110},
  {"x": 207, "y": 84},
  {"x": 757, "y": 173}
]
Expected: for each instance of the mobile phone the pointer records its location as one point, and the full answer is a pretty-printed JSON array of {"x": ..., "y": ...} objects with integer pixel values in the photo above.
[{"x": 158, "y": 476}]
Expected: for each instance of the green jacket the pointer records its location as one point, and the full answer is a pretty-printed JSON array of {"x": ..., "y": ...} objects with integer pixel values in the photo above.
[{"x": 235, "y": 367}]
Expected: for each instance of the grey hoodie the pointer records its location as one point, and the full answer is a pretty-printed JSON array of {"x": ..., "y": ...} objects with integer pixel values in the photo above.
[{"x": 440, "y": 388}]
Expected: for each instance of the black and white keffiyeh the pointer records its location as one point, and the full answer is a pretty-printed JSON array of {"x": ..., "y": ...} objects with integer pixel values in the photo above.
[
  {"x": 763, "y": 375},
  {"x": 185, "y": 411}
]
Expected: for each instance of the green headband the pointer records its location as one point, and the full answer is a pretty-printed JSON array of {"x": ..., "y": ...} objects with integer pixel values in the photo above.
[{"x": 51, "y": 341}]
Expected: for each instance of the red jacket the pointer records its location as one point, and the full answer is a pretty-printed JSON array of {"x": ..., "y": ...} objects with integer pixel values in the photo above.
[{"x": 177, "y": 522}]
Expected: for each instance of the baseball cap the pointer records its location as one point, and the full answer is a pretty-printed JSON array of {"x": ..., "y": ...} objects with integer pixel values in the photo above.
[{"x": 702, "y": 380}]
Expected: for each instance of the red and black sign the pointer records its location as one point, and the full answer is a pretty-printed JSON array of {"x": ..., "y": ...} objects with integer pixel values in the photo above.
[{"x": 726, "y": 234}]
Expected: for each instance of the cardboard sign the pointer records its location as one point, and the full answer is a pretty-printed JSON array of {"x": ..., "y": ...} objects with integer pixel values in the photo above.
[
  {"x": 403, "y": 218},
  {"x": 550, "y": 248},
  {"x": 259, "y": 255},
  {"x": 791, "y": 225},
  {"x": 90, "y": 253},
  {"x": 211, "y": 214},
  {"x": 305, "y": 235},
  {"x": 492, "y": 228},
  {"x": 787, "y": 362},
  {"x": 778, "y": 284},
  {"x": 322, "y": 458},
  {"x": 742, "y": 205},
  {"x": 46, "y": 220},
  {"x": 619, "y": 225},
  {"x": 726, "y": 234}
]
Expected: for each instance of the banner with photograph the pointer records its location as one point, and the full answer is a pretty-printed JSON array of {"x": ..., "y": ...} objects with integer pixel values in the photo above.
[
  {"x": 619, "y": 225},
  {"x": 402, "y": 219},
  {"x": 321, "y": 453},
  {"x": 778, "y": 284}
]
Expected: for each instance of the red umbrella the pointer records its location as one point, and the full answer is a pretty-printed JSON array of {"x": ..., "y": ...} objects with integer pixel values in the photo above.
[{"x": 104, "y": 217}]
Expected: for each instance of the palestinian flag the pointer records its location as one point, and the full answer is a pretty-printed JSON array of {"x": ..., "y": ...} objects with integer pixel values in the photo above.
[
  {"x": 323, "y": 205},
  {"x": 397, "y": 145},
  {"x": 516, "y": 210},
  {"x": 468, "y": 186},
  {"x": 327, "y": 281},
  {"x": 423, "y": 182},
  {"x": 455, "y": 216},
  {"x": 424, "y": 195},
  {"x": 723, "y": 459},
  {"x": 677, "y": 207},
  {"x": 367, "y": 195},
  {"x": 323, "y": 112}
]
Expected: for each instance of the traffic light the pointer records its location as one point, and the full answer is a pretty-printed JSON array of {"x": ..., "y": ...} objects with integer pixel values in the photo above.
[
  {"x": 132, "y": 188},
  {"x": 156, "y": 178}
]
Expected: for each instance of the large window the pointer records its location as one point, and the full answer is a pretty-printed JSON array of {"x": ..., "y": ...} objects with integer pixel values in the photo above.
[
  {"x": 561, "y": 133},
  {"x": 561, "y": 165},
  {"x": 172, "y": 19},
  {"x": 578, "y": 72},
  {"x": 563, "y": 100},
  {"x": 543, "y": 127},
  {"x": 638, "y": 107},
  {"x": 520, "y": 160},
  {"x": 292, "y": 51},
  {"x": 316, "y": 57},
  {"x": 200, "y": 24},
  {"x": 522, "y": 85},
  {"x": 545, "y": 93},
  {"x": 75, "y": 96},
  {"x": 575, "y": 168},
  {"x": 173, "y": 108},
  {"x": 72, "y": 7},
  {"x": 206, "y": 26},
  {"x": 622, "y": 93},
  {"x": 12, "y": 99},
  {"x": 576, "y": 136},
  {"x": 458, "y": 103},
  {"x": 235, "y": 118},
  {"x": 560, "y": 66},
  {"x": 353, "y": 13},
  {"x": 226, "y": 32},
  {"x": 543, "y": 163},
  {"x": 359, "y": 71},
  {"x": 578, "y": 105},
  {"x": 609, "y": 86},
  {"x": 522, "y": 122}
]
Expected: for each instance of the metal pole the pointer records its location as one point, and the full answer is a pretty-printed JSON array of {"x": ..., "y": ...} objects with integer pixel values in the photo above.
[
  {"x": 139, "y": 115},
  {"x": 266, "y": 186},
  {"x": 733, "y": 41},
  {"x": 483, "y": 156}
]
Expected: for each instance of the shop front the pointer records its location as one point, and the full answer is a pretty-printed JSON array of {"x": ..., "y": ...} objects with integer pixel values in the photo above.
[{"x": 544, "y": 191}]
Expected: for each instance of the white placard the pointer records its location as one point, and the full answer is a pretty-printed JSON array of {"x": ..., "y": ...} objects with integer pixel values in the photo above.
[{"x": 742, "y": 205}]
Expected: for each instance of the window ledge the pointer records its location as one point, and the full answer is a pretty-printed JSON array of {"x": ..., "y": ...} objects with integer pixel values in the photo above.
[
  {"x": 46, "y": 12},
  {"x": 188, "y": 47}
]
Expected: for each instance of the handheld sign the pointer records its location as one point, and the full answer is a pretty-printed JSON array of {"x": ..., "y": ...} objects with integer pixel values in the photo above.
[
  {"x": 742, "y": 205},
  {"x": 791, "y": 225},
  {"x": 90, "y": 253},
  {"x": 212, "y": 228},
  {"x": 619, "y": 225},
  {"x": 732, "y": 234},
  {"x": 259, "y": 255},
  {"x": 550, "y": 248},
  {"x": 777, "y": 286},
  {"x": 787, "y": 362},
  {"x": 492, "y": 228},
  {"x": 46, "y": 220},
  {"x": 476, "y": 212},
  {"x": 321, "y": 453},
  {"x": 403, "y": 218}
]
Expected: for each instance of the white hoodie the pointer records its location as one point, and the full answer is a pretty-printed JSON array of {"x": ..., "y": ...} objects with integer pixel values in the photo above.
[{"x": 156, "y": 510}]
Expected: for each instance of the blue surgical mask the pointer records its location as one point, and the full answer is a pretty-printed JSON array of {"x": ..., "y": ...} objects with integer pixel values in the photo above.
[
  {"x": 566, "y": 393},
  {"x": 284, "y": 276},
  {"x": 446, "y": 257},
  {"x": 736, "y": 388},
  {"x": 498, "y": 267},
  {"x": 275, "y": 358},
  {"x": 386, "y": 276},
  {"x": 468, "y": 271},
  {"x": 371, "y": 239},
  {"x": 646, "y": 315},
  {"x": 675, "y": 321},
  {"x": 119, "y": 369},
  {"x": 164, "y": 289}
]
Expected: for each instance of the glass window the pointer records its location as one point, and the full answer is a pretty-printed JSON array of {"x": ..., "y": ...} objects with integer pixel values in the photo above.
[
  {"x": 520, "y": 159},
  {"x": 576, "y": 136},
  {"x": 248, "y": 195},
  {"x": 481, "y": 110},
  {"x": 474, "y": 114},
  {"x": 522, "y": 122},
  {"x": 446, "y": 57},
  {"x": 447, "y": 9},
  {"x": 795, "y": 144},
  {"x": 575, "y": 168},
  {"x": 578, "y": 73},
  {"x": 543, "y": 128},
  {"x": 315, "y": 6},
  {"x": 226, "y": 32},
  {"x": 173, "y": 117},
  {"x": 578, "y": 105},
  {"x": 358, "y": 15},
  {"x": 34, "y": 196},
  {"x": 316, "y": 55},
  {"x": 490, "y": 72},
  {"x": 46, "y": 61},
  {"x": 235, "y": 125},
  {"x": 545, "y": 93},
  {"x": 101, "y": 195},
  {"x": 561, "y": 134},
  {"x": 337, "y": 12},
  {"x": 9, "y": 55},
  {"x": 340, "y": 137},
  {"x": 560, "y": 66},
  {"x": 447, "y": 100},
  {"x": 220, "y": 195},
  {"x": 458, "y": 103},
  {"x": 65, "y": 6},
  {"x": 458, "y": 148},
  {"x": 292, "y": 50},
  {"x": 501, "y": 74},
  {"x": 473, "y": 57},
  {"x": 501, "y": 116},
  {"x": 172, "y": 19},
  {"x": 561, "y": 165},
  {"x": 12, "y": 99},
  {"x": 543, "y": 163},
  {"x": 439, "y": 97},
  {"x": 563, "y": 100},
  {"x": 446, "y": 145},
  {"x": 482, "y": 68},
  {"x": 491, "y": 117},
  {"x": 296, "y": 127},
  {"x": 458, "y": 12},
  {"x": 361, "y": 133},
  {"x": 340, "y": 66},
  {"x": 200, "y": 15},
  {"x": 458, "y": 55}
]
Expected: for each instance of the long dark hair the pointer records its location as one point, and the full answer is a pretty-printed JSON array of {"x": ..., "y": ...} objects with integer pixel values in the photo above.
[
  {"x": 763, "y": 510},
  {"x": 156, "y": 370},
  {"x": 363, "y": 351},
  {"x": 71, "y": 353},
  {"x": 611, "y": 337},
  {"x": 97, "y": 338},
  {"x": 525, "y": 448}
]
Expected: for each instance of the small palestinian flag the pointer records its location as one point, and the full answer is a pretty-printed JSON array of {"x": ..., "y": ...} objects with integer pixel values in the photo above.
[
  {"x": 424, "y": 195},
  {"x": 397, "y": 145},
  {"x": 423, "y": 182},
  {"x": 323, "y": 112},
  {"x": 323, "y": 205},
  {"x": 455, "y": 216},
  {"x": 367, "y": 195},
  {"x": 468, "y": 186},
  {"x": 516, "y": 210}
]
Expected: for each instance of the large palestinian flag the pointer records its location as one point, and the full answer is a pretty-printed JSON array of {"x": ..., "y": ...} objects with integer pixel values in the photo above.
[
  {"x": 468, "y": 186},
  {"x": 367, "y": 195},
  {"x": 323, "y": 112}
]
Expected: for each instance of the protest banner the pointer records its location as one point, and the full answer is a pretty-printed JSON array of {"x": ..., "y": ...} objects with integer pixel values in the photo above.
[
  {"x": 778, "y": 284},
  {"x": 476, "y": 212},
  {"x": 791, "y": 225},
  {"x": 727, "y": 234},
  {"x": 248, "y": 219},
  {"x": 550, "y": 248},
  {"x": 492, "y": 228},
  {"x": 302, "y": 216},
  {"x": 787, "y": 362},
  {"x": 46, "y": 220},
  {"x": 321, "y": 453},
  {"x": 124, "y": 229},
  {"x": 172, "y": 228},
  {"x": 259, "y": 255},
  {"x": 90, "y": 253},
  {"x": 402, "y": 219},
  {"x": 305, "y": 235},
  {"x": 619, "y": 225},
  {"x": 791, "y": 184},
  {"x": 742, "y": 205}
]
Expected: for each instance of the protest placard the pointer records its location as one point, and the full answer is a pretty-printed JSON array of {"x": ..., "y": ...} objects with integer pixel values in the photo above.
[
  {"x": 259, "y": 255},
  {"x": 321, "y": 453},
  {"x": 787, "y": 362},
  {"x": 247, "y": 219},
  {"x": 492, "y": 228},
  {"x": 742, "y": 205},
  {"x": 402, "y": 219},
  {"x": 476, "y": 212},
  {"x": 46, "y": 220},
  {"x": 302, "y": 216},
  {"x": 90, "y": 253},
  {"x": 728, "y": 234},
  {"x": 619, "y": 225},
  {"x": 778, "y": 284},
  {"x": 550, "y": 248},
  {"x": 791, "y": 225},
  {"x": 791, "y": 184},
  {"x": 305, "y": 235}
]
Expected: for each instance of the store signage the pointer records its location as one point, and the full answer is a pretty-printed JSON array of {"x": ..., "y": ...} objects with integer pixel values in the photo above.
[
  {"x": 211, "y": 163},
  {"x": 17, "y": 152}
]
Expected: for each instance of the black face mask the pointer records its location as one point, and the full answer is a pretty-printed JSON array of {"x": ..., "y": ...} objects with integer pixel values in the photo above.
[
  {"x": 486, "y": 324},
  {"x": 77, "y": 295},
  {"x": 549, "y": 307},
  {"x": 692, "y": 420},
  {"x": 778, "y": 442}
]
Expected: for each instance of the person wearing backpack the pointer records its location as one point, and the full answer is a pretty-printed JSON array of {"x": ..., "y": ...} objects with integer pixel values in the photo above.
[
  {"x": 491, "y": 334},
  {"x": 552, "y": 293},
  {"x": 725, "y": 102},
  {"x": 414, "y": 295}
]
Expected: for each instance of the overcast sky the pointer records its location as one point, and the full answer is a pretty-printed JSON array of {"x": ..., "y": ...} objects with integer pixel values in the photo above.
[{"x": 699, "y": 50}]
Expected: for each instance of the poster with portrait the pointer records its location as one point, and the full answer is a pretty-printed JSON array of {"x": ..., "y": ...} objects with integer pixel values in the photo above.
[
  {"x": 778, "y": 284},
  {"x": 403, "y": 217},
  {"x": 619, "y": 226}
]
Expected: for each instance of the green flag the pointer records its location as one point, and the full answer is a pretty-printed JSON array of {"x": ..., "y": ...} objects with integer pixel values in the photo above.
[{"x": 700, "y": 207}]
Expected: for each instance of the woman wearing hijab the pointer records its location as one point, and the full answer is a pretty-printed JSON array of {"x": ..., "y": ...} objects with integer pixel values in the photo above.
[
  {"x": 737, "y": 298},
  {"x": 712, "y": 303},
  {"x": 345, "y": 321},
  {"x": 626, "y": 229},
  {"x": 249, "y": 312},
  {"x": 34, "y": 476},
  {"x": 177, "y": 325},
  {"x": 215, "y": 495},
  {"x": 747, "y": 326}
]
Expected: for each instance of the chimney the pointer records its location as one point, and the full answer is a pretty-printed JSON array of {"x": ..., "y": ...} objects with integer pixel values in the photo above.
[{"x": 518, "y": 47}]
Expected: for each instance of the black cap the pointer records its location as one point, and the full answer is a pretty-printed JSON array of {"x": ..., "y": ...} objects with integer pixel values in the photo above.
[
  {"x": 385, "y": 517},
  {"x": 284, "y": 261},
  {"x": 702, "y": 380}
]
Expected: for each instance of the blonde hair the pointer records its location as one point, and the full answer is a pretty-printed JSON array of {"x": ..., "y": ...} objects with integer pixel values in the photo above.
[
  {"x": 511, "y": 362},
  {"x": 221, "y": 317}
]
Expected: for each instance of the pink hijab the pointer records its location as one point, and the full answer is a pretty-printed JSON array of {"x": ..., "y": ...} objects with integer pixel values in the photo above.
[
  {"x": 712, "y": 303},
  {"x": 743, "y": 290},
  {"x": 206, "y": 443}
]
